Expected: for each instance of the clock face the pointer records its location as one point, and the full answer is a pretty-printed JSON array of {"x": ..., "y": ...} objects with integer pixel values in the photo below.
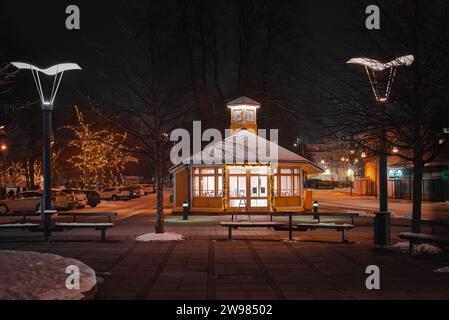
[
  {"x": 238, "y": 115},
  {"x": 250, "y": 115}
]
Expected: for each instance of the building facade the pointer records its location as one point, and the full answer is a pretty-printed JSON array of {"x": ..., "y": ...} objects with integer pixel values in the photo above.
[{"x": 248, "y": 183}]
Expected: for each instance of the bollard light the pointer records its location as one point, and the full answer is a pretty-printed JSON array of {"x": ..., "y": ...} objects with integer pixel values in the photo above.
[
  {"x": 185, "y": 210},
  {"x": 315, "y": 209}
]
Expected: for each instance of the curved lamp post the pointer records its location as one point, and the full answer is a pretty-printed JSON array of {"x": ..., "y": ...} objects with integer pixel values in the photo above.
[
  {"x": 57, "y": 72},
  {"x": 371, "y": 67},
  {"x": 381, "y": 221}
]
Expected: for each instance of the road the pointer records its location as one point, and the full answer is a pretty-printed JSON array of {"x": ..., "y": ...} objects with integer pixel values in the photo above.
[
  {"x": 335, "y": 199},
  {"x": 127, "y": 209},
  {"x": 330, "y": 200}
]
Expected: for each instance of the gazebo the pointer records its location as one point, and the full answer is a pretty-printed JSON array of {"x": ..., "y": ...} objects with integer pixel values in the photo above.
[{"x": 250, "y": 183}]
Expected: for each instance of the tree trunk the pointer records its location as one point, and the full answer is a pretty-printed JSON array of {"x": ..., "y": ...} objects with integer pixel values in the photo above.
[
  {"x": 159, "y": 200},
  {"x": 417, "y": 195},
  {"x": 31, "y": 174}
]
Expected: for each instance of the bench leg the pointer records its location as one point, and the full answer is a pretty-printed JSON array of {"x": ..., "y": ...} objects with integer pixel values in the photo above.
[
  {"x": 410, "y": 247},
  {"x": 103, "y": 234},
  {"x": 230, "y": 233},
  {"x": 343, "y": 236}
]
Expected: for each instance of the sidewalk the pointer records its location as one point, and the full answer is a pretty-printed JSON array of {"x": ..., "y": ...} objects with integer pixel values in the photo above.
[
  {"x": 401, "y": 208},
  {"x": 257, "y": 265}
]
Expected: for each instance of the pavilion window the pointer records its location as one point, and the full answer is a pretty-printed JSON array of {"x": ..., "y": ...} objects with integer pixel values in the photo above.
[
  {"x": 287, "y": 182},
  {"x": 207, "y": 183}
]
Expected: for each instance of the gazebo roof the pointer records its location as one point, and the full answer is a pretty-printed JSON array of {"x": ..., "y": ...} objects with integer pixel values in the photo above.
[
  {"x": 236, "y": 142},
  {"x": 243, "y": 101}
]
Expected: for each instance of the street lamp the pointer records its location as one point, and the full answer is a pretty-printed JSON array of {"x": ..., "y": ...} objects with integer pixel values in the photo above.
[
  {"x": 57, "y": 72},
  {"x": 371, "y": 67},
  {"x": 4, "y": 149},
  {"x": 381, "y": 222}
]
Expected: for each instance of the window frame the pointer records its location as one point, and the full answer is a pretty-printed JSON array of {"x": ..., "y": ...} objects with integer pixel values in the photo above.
[
  {"x": 197, "y": 185},
  {"x": 295, "y": 181}
]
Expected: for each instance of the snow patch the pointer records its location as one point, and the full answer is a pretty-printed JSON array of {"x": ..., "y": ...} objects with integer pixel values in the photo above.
[
  {"x": 442, "y": 270},
  {"x": 365, "y": 214},
  {"x": 423, "y": 248},
  {"x": 29, "y": 275},
  {"x": 7, "y": 225},
  {"x": 167, "y": 236}
]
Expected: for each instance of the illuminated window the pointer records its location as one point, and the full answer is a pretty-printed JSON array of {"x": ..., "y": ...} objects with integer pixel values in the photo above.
[
  {"x": 207, "y": 182},
  {"x": 287, "y": 183},
  {"x": 250, "y": 115}
]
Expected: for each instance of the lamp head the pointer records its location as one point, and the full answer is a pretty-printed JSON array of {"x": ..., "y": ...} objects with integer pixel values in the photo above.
[{"x": 46, "y": 105}]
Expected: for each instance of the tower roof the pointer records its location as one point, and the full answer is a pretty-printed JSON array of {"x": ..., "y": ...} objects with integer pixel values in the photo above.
[{"x": 245, "y": 101}]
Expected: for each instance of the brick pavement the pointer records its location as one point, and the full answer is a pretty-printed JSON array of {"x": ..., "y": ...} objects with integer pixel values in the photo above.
[{"x": 257, "y": 265}]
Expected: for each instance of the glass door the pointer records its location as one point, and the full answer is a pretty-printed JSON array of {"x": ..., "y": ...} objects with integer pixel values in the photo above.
[{"x": 258, "y": 198}]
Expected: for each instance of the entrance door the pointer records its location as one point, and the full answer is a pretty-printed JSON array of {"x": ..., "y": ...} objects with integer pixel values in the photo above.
[
  {"x": 248, "y": 189},
  {"x": 258, "y": 196}
]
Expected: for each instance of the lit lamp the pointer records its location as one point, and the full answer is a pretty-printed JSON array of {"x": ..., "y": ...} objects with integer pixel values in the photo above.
[
  {"x": 185, "y": 210},
  {"x": 4, "y": 148},
  {"x": 57, "y": 72},
  {"x": 371, "y": 67},
  {"x": 395, "y": 150},
  {"x": 381, "y": 234}
]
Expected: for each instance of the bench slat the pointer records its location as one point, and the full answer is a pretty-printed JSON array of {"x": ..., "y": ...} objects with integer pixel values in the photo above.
[
  {"x": 18, "y": 225},
  {"x": 84, "y": 225},
  {"x": 424, "y": 237},
  {"x": 249, "y": 224},
  {"x": 88, "y": 214}
]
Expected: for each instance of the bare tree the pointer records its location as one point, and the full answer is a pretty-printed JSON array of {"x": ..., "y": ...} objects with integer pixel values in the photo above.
[{"x": 414, "y": 117}]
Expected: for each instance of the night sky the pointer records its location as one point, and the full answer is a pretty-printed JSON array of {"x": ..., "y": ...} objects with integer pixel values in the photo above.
[{"x": 35, "y": 32}]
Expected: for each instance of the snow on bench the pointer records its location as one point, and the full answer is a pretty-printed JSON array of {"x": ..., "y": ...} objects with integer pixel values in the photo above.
[
  {"x": 422, "y": 237},
  {"x": 100, "y": 226},
  {"x": 18, "y": 225}
]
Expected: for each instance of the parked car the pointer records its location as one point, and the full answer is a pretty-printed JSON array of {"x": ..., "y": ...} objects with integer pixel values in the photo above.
[
  {"x": 29, "y": 201},
  {"x": 140, "y": 189},
  {"x": 133, "y": 191},
  {"x": 147, "y": 188},
  {"x": 80, "y": 197},
  {"x": 93, "y": 198},
  {"x": 115, "y": 193}
]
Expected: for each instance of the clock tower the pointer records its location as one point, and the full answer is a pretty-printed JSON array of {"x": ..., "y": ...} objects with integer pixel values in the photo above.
[{"x": 244, "y": 114}]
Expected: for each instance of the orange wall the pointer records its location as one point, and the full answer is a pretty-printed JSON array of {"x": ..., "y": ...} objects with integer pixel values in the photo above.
[
  {"x": 370, "y": 170},
  {"x": 182, "y": 187},
  {"x": 287, "y": 202}
]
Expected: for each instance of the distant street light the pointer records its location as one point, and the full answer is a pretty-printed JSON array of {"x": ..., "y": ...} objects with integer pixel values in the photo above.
[
  {"x": 363, "y": 155},
  {"x": 57, "y": 72},
  {"x": 395, "y": 150},
  {"x": 4, "y": 149}
]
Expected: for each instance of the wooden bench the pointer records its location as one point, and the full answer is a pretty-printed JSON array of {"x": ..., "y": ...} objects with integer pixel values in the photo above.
[
  {"x": 102, "y": 227},
  {"x": 18, "y": 225},
  {"x": 343, "y": 228},
  {"x": 249, "y": 224},
  {"x": 351, "y": 215},
  {"x": 22, "y": 224},
  {"x": 413, "y": 238}
]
